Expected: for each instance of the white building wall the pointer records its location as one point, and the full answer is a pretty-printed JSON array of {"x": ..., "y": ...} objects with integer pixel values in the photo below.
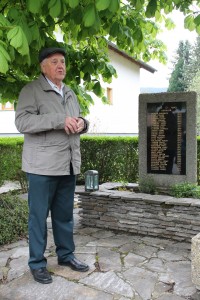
[
  {"x": 7, "y": 122},
  {"x": 122, "y": 116}
]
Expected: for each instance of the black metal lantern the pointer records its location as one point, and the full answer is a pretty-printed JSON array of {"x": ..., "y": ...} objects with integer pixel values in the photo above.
[{"x": 91, "y": 180}]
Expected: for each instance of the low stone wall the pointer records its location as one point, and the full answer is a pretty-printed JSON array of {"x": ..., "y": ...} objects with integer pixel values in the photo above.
[{"x": 138, "y": 213}]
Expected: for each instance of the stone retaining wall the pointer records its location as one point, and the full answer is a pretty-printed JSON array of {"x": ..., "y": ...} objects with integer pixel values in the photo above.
[{"x": 144, "y": 214}]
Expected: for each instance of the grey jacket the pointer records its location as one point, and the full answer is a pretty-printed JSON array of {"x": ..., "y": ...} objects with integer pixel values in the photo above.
[{"x": 40, "y": 115}]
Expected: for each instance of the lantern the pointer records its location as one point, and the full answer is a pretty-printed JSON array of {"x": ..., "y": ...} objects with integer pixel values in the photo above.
[{"x": 91, "y": 181}]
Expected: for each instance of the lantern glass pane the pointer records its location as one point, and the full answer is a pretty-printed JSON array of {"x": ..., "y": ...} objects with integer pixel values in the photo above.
[{"x": 95, "y": 184}]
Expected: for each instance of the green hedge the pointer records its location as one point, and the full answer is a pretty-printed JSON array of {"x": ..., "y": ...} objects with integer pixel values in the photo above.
[
  {"x": 10, "y": 159},
  {"x": 13, "y": 218},
  {"x": 115, "y": 158}
]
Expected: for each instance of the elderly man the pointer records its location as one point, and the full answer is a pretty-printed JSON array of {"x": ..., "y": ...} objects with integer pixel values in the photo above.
[{"x": 48, "y": 114}]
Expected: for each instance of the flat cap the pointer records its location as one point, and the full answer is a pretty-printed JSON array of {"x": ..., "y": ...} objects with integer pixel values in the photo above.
[{"x": 45, "y": 52}]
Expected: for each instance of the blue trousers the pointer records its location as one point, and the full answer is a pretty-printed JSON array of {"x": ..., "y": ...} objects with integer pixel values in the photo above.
[{"x": 55, "y": 194}]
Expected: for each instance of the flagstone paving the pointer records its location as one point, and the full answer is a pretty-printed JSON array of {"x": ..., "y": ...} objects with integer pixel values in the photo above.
[{"x": 122, "y": 266}]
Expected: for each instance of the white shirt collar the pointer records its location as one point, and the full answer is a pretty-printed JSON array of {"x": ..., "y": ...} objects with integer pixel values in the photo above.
[{"x": 60, "y": 91}]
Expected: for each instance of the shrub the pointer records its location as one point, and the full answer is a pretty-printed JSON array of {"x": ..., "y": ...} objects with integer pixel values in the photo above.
[
  {"x": 185, "y": 190},
  {"x": 147, "y": 186},
  {"x": 13, "y": 218},
  {"x": 115, "y": 158},
  {"x": 10, "y": 161}
]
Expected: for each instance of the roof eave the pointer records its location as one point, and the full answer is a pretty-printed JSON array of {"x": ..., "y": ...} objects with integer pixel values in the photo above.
[{"x": 137, "y": 62}]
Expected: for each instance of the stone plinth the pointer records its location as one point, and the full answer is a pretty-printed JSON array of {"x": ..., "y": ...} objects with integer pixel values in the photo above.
[{"x": 195, "y": 257}]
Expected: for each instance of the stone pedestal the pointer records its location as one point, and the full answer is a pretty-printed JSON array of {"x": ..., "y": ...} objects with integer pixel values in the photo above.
[{"x": 195, "y": 259}]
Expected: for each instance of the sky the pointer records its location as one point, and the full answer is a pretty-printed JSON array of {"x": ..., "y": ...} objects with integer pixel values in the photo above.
[{"x": 171, "y": 38}]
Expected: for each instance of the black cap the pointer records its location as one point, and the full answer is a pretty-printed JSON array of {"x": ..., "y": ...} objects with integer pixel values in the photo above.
[{"x": 45, "y": 52}]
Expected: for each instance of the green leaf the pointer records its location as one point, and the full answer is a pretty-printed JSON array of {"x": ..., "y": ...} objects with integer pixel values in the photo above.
[
  {"x": 89, "y": 15},
  {"x": 189, "y": 22},
  {"x": 3, "y": 63},
  {"x": 15, "y": 40},
  {"x": 35, "y": 32},
  {"x": 54, "y": 8},
  {"x": 114, "y": 30},
  {"x": 18, "y": 40},
  {"x": 51, "y": 3},
  {"x": 97, "y": 23},
  {"x": 102, "y": 4},
  {"x": 73, "y": 3},
  {"x": 34, "y": 6},
  {"x": 151, "y": 8},
  {"x": 168, "y": 8},
  {"x": 197, "y": 20},
  {"x": 105, "y": 100},
  {"x": 89, "y": 98},
  {"x": 13, "y": 13},
  {"x": 138, "y": 36},
  {"x": 169, "y": 24},
  {"x": 97, "y": 89},
  {"x": 158, "y": 16},
  {"x": 198, "y": 29},
  {"x": 114, "y": 6},
  {"x": 4, "y": 53},
  {"x": 4, "y": 21},
  {"x": 89, "y": 68},
  {"x": 138, "y": 4},
  {"x": 87, "y": 77},
  {"x": 111, "y": 69},
  {"x": 77, "y": 15}
]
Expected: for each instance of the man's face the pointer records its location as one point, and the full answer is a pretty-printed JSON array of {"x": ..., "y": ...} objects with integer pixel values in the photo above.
[{"x": 54, "y": 68}]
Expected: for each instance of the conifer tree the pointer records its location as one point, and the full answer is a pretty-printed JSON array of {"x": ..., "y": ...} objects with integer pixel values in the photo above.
[
  {"x": 195, "y": 86},
  {"x": 194, "y": 62},
  {"x": 178, "y": 81}
]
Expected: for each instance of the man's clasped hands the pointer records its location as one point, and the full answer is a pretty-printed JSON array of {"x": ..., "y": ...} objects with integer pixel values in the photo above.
[{"x": 74, "y": 125}]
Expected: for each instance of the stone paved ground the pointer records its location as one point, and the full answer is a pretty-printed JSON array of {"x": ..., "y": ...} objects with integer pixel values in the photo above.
[{"x": 122, "y": 267}]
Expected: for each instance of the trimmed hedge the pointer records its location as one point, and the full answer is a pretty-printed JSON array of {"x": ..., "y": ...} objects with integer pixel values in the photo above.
[
  {"x": 13, "y": 218},
  {"x": 10, "y": 160},
  {"x": 115, "y": 158}
]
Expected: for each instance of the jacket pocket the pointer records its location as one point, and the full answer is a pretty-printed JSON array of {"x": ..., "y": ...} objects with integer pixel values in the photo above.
[{"x": 56, "y": 137}]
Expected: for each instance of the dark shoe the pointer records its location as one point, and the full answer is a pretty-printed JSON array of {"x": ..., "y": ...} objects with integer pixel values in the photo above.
[
  {"x": 75, "y": 265},
  {"x": 41, "y": 275}
]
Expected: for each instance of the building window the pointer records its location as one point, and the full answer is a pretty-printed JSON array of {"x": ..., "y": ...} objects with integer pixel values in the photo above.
[
  {"x": 110, "y": 95},
  {"x": 7, "y": 106}
]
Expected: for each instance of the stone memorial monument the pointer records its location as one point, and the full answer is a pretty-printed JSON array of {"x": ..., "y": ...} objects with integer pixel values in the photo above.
[{"x": 167, "y": 138}]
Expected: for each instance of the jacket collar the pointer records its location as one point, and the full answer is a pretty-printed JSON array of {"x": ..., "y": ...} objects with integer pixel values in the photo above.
[{"x": 47, "y": 87}]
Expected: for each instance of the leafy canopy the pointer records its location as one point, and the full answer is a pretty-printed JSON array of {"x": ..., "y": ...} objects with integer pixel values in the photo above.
[{"x": 86, "y": 25}]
